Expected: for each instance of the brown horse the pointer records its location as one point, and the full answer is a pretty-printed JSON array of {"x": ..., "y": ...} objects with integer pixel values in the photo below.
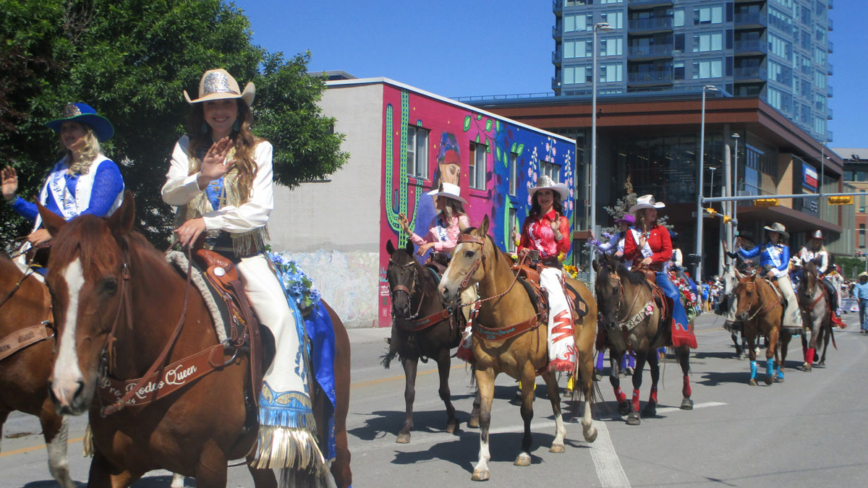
[
  {"x": 421, "y": 327},
  {"x": 625, "y": 298},
  {"x": 761, "y": 312},
  {"x": 814, "y": 304},
  {"x": 26, "y": 304},
  {"x": 476, "y": 260},
  {"x": 198, "y": 428}
]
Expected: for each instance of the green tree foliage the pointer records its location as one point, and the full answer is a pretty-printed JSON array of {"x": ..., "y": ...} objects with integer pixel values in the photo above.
[{"x": 130, "y": 60}]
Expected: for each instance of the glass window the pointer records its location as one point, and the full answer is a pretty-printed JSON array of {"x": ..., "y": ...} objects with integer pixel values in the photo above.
[
  {"x": 679, "y": 43},
  {"x": 678, "y": 17},
  {"x": 477, "y": 167},
  {"x": 513, "y": 224},
  {"x": 577, "y": 23},
  {"x": 612, "y": 46},
  {"x": 614, "y": 19},
  {"x": 712, "y": 41},
  {"x": 604, "y": 2},
  {"x": 678, "y": 70},
  {"x": 708, "y": 15},
  {"x": 513, "y": 173},
  {"x": 707, "y": 68},
  {"x": 551, "y": 170},
  {"x": 611, "y": 72},
  {"x": 780, "y": 47},
  {"x": 577, "y": 75},
  {"x": 417, "y": 152}
]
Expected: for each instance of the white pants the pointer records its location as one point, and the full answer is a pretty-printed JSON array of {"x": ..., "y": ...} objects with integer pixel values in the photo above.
[
  {"x": 792, "y": 316},
  {"x": 561, "y": 344}
]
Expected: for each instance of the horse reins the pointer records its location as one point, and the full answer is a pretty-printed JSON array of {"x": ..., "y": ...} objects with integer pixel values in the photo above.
[{"x": 471, "y": 239}]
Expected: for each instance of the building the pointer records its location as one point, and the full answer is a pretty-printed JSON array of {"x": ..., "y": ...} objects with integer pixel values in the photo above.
[
  {"x": 402, "y": 143},
  {"x": 856, "y": 175},
  {"x": 654, "y": 140},
  {"x": 776, "y": 50}
]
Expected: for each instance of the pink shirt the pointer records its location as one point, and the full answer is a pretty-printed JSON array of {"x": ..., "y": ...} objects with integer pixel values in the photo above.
[{"x": 445, "y": 238}]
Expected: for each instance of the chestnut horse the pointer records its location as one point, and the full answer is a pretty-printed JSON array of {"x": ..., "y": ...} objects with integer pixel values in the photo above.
[
  {"x": 633, "y": 320},
  {"x": 421, "y": 327},
  {"x": 477, "y": 260},
  {"x": 761, "y": 312},
  {"x": 25, "y": 303},
  {"x": 197, "y": 429},
  {"x": 814, "y": 304}
]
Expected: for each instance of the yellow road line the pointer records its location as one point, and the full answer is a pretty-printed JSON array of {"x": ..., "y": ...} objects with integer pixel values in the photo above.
[{"x": 34, "y": 448}]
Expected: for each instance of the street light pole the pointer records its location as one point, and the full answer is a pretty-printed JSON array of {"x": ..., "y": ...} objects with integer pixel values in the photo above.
[
  {"x": 602, "y": 26},
  {"x": 735, "y": 189},
  {"x": 697, "y": 271}
]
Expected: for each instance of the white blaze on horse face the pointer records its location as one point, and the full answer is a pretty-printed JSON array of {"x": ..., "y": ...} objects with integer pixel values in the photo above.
[{"x": 67, "y": 374}]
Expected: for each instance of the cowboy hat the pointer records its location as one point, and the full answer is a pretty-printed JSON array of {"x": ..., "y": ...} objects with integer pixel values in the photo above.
[
  {"x": 448, "y": 190},
  {"x": 817, "y": 234},
  {"x": 627, "y": 219},
  {"x": 779, "y": 228},
  {"x": 546, "y": 183},
  {"x": 863, "y": 275},
  {"x": 646, "y": 201},
  {"x": 83, "y": 113},
  {"x": 218, "y": 84}
]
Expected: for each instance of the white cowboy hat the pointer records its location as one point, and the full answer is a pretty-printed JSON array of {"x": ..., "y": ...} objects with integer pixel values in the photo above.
[
  {"x": 863, "y": 275},
  {"x": 779, "y": 228},
  {"x": 218, "y": 84},
  {"x": 448, "y": 190},
  {"x": 546, "y": 183},
  {"x": 646, "y": 201}
]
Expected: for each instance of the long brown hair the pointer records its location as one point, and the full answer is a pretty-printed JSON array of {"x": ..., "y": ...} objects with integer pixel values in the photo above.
[
  {"x": 243, "y": 141},
  {"x": 535, "y": 209}
]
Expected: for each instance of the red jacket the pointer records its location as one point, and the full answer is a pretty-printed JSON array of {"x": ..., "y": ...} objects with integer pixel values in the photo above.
[
  {"x": 659, "y": 242},
  {"x": 537, "y": 235}
]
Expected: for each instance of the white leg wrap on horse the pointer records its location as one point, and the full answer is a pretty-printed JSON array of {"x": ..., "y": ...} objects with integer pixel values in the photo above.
[{"x": 561, "y": 344}]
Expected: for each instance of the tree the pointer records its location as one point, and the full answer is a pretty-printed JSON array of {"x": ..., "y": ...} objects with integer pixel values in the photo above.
[
  {"x": 622, "y": 207},
  {"x": 130, "y": 60}
]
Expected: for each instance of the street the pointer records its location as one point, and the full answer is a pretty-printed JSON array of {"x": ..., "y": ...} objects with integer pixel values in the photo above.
[{"x": 809, "y": 431}]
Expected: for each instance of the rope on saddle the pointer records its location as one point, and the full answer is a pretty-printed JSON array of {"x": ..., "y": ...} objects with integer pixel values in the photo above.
[{"x": 179, "y": 260}]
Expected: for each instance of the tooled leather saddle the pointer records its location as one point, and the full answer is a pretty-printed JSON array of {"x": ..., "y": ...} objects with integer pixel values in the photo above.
[{"x": 529, "y": 277}]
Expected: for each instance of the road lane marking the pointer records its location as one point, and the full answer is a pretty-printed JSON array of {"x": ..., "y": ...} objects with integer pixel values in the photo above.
[
  {"x": 34, "y": 448},
  {"x": 606, "y": 461}
]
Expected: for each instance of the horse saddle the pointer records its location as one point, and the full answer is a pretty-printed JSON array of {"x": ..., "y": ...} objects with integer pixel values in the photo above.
[
  {"x": 777, "y": 290},
  {"x": 529, "y": 277}
]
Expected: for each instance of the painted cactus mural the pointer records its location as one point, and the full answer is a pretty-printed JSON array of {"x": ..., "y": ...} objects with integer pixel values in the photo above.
[{"x": 391, "y": 210}]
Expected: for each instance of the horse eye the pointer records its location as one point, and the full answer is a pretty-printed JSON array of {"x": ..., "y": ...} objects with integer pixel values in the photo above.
[
  {"x": 109, "y": 286},
  {"x": 468, "y": 254}
]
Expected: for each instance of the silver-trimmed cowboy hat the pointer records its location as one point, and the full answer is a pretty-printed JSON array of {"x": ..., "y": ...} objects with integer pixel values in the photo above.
[
  {"x": 779, "y": 228},
  {"x": 83, "y": 113},
  {"x": 546, "y": 183},
  {"x": 448, "y": 190},
  {"x": 646, "y": 201},
  {"x": 218, "y": 84}
]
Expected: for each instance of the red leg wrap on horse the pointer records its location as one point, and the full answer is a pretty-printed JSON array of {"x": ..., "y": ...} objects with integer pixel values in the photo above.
[
  {"x": 686, "y": 391},
  {"x": 635, "y": 400},
  {"x": 620, "y": 395},
  {"x": 809, "y": 357},
  {"x": 653, "y": 397}
]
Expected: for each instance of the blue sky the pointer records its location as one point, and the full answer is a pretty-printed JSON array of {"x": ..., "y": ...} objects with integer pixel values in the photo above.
[{"x": 487, "y": 47}]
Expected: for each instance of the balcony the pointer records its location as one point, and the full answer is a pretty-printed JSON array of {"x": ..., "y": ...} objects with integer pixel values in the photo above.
[
  {"x": 751, "y": 47},
  {"x": 831, "y": 47},
  {"x": 829, "y": 69},
  {"x": 650, "y": 78},
  {"x": 556, "y": 58},
  {"x": 830, "y": 114},
  {"x": 831, "y": 25},
  {"x": 829, "y": 92},
  {"x": 556, "y": 84},
  {"x": 750, "y": 74},
  {"x": 646, "y": 52},
  {"x": 558, "y": 7},
  {"x": 829, "y": 136},
  {"x": 556, "y": 32},
  {"x": 650, "y": 25},
  {"x": 650, "y": 3},
  {"x": 750, "y": 20},
  {"x": 831, "y": 4}
]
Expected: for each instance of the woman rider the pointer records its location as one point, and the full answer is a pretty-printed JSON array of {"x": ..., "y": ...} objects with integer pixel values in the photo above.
[
  {"x": 221, "y": 179},
  {"x": 816, "y": 252},
  {"x": 649, "y": 244},
  {"x": 83, "y": 182},
  {"x": 547, "y": 231}
]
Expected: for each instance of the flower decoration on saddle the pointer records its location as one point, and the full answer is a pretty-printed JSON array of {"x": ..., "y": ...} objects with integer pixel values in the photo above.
[
  {"x": 571, "y": 270},
  {"x": 297, "y": 284},
  {"x": 687, "y": 296}
]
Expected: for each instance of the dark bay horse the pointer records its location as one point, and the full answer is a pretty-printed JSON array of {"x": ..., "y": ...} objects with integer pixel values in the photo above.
[
  {"x": 199, "y": 427},
  {"x": 421, "y": 327},
  {"x": 814, "y": 304},
  {"x": 761, "y": 312},
  {"x": 25, "y": 315},
  {"x": 633, "y": 320},
  {"x": 522, "y": 356}
]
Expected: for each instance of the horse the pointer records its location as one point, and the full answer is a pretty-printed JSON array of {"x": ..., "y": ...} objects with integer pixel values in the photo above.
[
  {"x": 25, "y": 317},
  {"x": 505, "y": 310},
  {"x": 421, "y": 327},
  {"x": 729, "y": 306},
  {"x": 814, "y": 304},
  {"x": 761, "y": 312},
  {"x": 634, "y": 321},
  {"x": 101, "y": 270}
]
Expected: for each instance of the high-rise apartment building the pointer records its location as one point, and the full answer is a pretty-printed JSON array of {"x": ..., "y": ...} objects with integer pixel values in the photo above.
[{"x": 775, "y": 49}]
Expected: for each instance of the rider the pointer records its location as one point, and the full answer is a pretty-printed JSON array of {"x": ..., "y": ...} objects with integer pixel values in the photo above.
[
  {"x": 221, "y": 179},
  {"x": 547, "y": 231},
  {"x": 649, "y": 244},
  {"x": 816, "y": 251},
  {"x": 775, "y": 257},
  {"x": 83, "y": 182},
  {"x": 451, "y": 219}
]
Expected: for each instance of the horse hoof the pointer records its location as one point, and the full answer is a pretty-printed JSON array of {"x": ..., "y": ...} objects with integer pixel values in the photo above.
[
  {"x": 624, "y": 408},
  {"x": 590, "y": 435},
  {"x": 473, "y": 423},
  {"x": 752, "y": 382},
  {"x": 628, "y": 371},
  {"x": 451, "y": 426},
  {"x": 650, "y": 410},
  {"x": 523, "y": 459},
  {"x": 806, "y": 368},
  {"x": 779, "y": 380},
  {"x": 769, "y": 380},
  {"x": 557, "y": 448},
  {"x": 821, "y": 363},
  {"x": 633, "y": 419},
  {"x": 598, "y": 375},
  {"x": 481, "y": 475},
  {"x": 687, "y": 404},
  {"x": 740, "y": 356},
  {"x": 403, "y": 439}
]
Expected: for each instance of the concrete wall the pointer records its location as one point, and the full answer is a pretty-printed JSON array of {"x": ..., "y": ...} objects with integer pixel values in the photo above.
[{"x": 785, "y": 179}]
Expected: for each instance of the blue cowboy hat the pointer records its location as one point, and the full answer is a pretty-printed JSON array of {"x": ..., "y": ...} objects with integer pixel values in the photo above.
[{"x": 83, "y": 113}]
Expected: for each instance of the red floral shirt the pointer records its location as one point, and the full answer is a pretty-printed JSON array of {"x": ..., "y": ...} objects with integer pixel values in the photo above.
[{"x": 537, "y": 235}]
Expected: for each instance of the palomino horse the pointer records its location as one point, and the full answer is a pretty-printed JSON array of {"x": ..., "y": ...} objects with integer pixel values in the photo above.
[
  {"x": 25, "y": 315},
  {"x": 761, "y": 311},
  {"x": 814, "y": 304},
  {"x": 421, "y": 327},
  {"x": 104, "y": 275},
  {"x": 504, "y": 307},
  {"x": 633, "y": 320}
]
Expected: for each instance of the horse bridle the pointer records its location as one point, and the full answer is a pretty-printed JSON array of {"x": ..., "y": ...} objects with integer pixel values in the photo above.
[
  {"x": 409, "y": 291},
  {"x": 472, "y": 239},
  {"x": 622, "y": 320}
]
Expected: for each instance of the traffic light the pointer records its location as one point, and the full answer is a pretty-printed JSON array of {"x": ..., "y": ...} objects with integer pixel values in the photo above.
[
  {"x": 843, "y": 200},
  {"x": 766, "y": 202}
]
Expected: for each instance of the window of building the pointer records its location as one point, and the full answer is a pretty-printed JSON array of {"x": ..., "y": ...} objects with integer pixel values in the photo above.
[
  {"x": 780, "y": 21},
  {"x": 780, "y": 100},
  {"x": 805, "y": 88},
  {"x": 679, "y": 43},
  {"x": 577, "y": 75},
  {"x": 417, "y": 152},
  {"x": 614, "y": 19},
  {"x": 678, "y": 17},
  {"x": 477, "y": 167},
  {"x": 820, "y": 79},
  {"x": 604, "y": 2},
  {"x": 575, "y": 23},
  {"x": 805, "y": 40},
  {"x": 848, "y": 176},
  {"x": 708, "y": 15},
  {"x": 578, "y": 49},
  {"x": 678, "y": 70},
  {"x": 820, "y": 102},
  {"x": 820, "y": 126},
  {"x": 511, "y": 218},
  {"x": 613, "y": 46},
  {"x": 611, "y": 72},
  {"x": 513, "y": 173},
  {"x": 780, "y": 73},
  {"x": 780, "y": 47},
  {"x": 805, "y": 15},
  {"x": 862, "y": 210},
  {"x": 711, "y": 41},
  {"x": 707, "y": 68},
  {"x": 820, "y": 56},
  {"x": 820, "y": 34},
  {"x": 862, "y": 231},
  {"x": 785, "y": 3},
  {"x": 551, "y": 170}
]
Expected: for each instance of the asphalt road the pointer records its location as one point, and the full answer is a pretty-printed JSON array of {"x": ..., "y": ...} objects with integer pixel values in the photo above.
[{"x": 810, "y": 431}]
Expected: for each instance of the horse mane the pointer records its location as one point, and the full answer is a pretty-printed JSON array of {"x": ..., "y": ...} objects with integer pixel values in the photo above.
[
  {"x": 634, "y": 277},
  {"x": 89, "y": 230}
]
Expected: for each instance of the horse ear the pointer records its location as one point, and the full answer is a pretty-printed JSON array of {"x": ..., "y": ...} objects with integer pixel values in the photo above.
[
  {"x": 483, "y": 227},
  {"x": 52, "y": 221},
  {"x": 596, "y": 266},
  {"x": 409, "y": 247},
  {"x": 121, "y": 222},
  {"x": 390, "y": 248}
]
